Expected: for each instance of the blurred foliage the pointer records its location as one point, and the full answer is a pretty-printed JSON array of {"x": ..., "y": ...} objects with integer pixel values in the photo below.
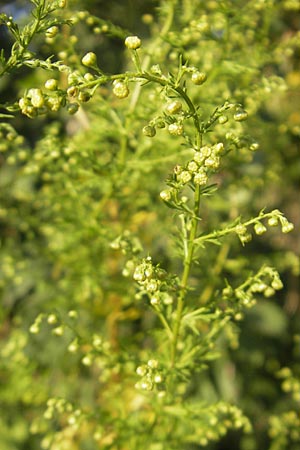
[{"x": 72, "y": 329}]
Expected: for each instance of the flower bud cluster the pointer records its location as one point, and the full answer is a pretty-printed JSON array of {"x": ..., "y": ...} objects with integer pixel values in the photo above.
[
  {"x": 151, "y": 377},
  {"x": 60, "y": 406},
  {"x": 36, "y": 102},
  {"x": 148, "y": 276},
  {"x": 128, "y": 244},
  {"x": 285, "y": 428},
  {"x": 290, "y": 383},
  {"x": 266, "y": 282},
  {"x": 205, "y": 161},
  {"x": 219, "y": 418},
  {"x": 10, "y": 140},
  {"x": 275, "y": 218},
  {"x": 58, "y": 327}
]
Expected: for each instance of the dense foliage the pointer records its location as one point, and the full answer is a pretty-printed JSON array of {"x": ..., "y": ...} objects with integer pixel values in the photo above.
[{"x": 149, "y": 218}]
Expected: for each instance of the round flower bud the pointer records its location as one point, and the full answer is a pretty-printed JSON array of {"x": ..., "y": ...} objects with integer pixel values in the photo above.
[
  {"x": 273, "y": 221},
  {"x": 73, "y": 346},
  {"x": 223, "y": 119},
  {"x": 87, "y": 360},
  {"x": 200, "y": 178},
  {"x": 51, "y": 32},
  {"x": 120, "y": 89},
  {"x": 89, "y": 77},
  {"x": 277, "y": 284},
  {"x": 152, "y": 286},
  {"x": 146, "y": 385},
  {"x": 176, "y": 129},
  {"x": 34, "y": 329},
  {"x": 286, "y": 228},
  {"x": 149, "y": 131},
  {"x": 51, "y": 84},
  {"x": 72, "y": 91},
  {"x": 84, "y": 96},
  {"x": 58, "y": 331},
  {"x": 199, "y": 78},
  {"x": 254, "y": 146},
  {"x": 269, "y": 291},
  {"x": 241, "y": 230},
  {"x": 240, "y": 115},
  {"x": 52, "y": 319},
  {"x": 192, "y": 166},
  {"x": 158, "y": 378},
  {"x": 142, "y": 370},
  {"x": 89, "y": 59},
  {"x": 165, "y": 195},
  {"x": 36, "y": 97},
  {"x": 259, "y": 228},
  {"x": 184, "y": 177},
  {"x": 154, "y": 301},
  {"x": 133, "y": 42},
  {"x": 72, "y": 108},
  {"x": 174, "y": 107},
  {"x": 152, "y": 363}
]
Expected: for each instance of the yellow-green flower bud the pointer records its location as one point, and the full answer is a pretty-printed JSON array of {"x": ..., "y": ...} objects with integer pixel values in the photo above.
[
  {"x": 51, "y": 32},
  {"x": 36, "y": 97},
  {"x": 166, "y": 195},
  {"x": 200, "y": 178},
  {"x": 240, "y": 115},
  {"x": 199, "y": 78},
  {"x": 259, "y": 228},
  {"x": 89, "y": 59},
  {"x": 223, "y": 119},
  {"x": 174, "y": 107},
  {"x": 176, "y": 129},
  {"x": 133, "y": 42},
  {"x": 51, "y": 84},
  {"x": 149, "y": 131},
  {"x": 120, "y": 89},
  {"x": 72, "y": 108}
]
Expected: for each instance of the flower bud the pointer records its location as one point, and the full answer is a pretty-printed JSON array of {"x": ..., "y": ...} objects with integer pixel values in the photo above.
[
  {"x": 72, "y": 108},
  {"x": 133, "y": 42},
  {"x": 287, "y": 227},
  {"x": 165, "y": 195},
  {"x": 152, "y": 363},
  {"x": 273, "y": 221},
  {"x": 240, "y": 115},
  {"x": 120, "y": 89},
  {"x": 199, "y": 78},
  {"x": 51, "y": 32},
  {"x": 200, "y": 178},
  {"x": 176, "y": 129},
  {"x": 89, "y": 59},
  {"x": 51, "y": 84},
  {"x": 149, "y": 131},
  {"x": 259, "y": 228},
  {"x": 174, "y": 107},
  {"x": 36, "y": 97},
  {"x": 223, "y": 119}
]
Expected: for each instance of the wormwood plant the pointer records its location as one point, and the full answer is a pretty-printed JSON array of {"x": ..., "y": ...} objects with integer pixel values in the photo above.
[{"x": 136, "y": 287}]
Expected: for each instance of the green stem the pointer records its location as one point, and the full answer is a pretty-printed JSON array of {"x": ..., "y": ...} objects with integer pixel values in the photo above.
[
  {"x": 232, "y": 228},
  {"x": 185, "y": 275},
  {"x": 221, "y": 258},
  {"x": 164, "y": 322}
]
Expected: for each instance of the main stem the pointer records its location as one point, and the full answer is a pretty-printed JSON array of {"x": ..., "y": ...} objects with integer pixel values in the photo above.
[{"x": 186, "y": 273}]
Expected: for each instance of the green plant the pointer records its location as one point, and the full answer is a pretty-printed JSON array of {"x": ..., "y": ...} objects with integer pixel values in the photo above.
[{"x": 142, "y": 283}]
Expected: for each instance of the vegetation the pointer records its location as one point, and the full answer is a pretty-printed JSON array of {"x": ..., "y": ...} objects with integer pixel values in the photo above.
[{"x": 149, "y": 217}]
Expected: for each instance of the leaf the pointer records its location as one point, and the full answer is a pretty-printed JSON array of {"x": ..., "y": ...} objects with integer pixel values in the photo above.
[{"x": 6, "y": 116}]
